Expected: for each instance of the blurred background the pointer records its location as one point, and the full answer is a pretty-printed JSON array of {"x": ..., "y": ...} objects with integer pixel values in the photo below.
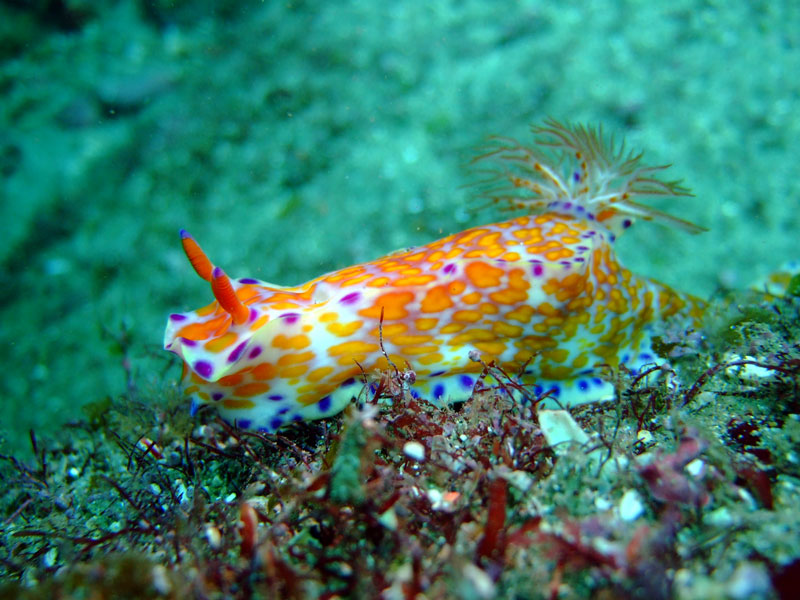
[{"x": 293, "y": 138}]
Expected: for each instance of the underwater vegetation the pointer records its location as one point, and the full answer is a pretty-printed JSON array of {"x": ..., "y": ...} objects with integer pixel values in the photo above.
[{"x": 680, "y": 479}]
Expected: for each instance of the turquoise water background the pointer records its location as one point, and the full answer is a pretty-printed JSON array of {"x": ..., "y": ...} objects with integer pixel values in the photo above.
[{"x": 292, "y": 138}]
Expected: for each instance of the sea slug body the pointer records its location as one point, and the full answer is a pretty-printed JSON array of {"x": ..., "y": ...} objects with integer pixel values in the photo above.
[{"x": 542, "y": 294}]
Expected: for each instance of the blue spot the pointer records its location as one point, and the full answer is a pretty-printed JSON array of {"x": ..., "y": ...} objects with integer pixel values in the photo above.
[
  {"x": 203, "y": 368},
  {"x": 296, "y": 418},
  {"x": 438, "y": 391},
  {"x": 583, "y": 385},
  {"x": 437, "y": 373},
  {"x": 348, "y": 382},
  {"x": 237, "y": 352},
  {"x": 597, "y": 381},
  {"x": 414, "y": 393},
  {"x": 350, "y": 298},
  {"x": 217, "y": 396},
  {"x": 284, "y": 410},
  {"x": 244, "y": 423},
  {"x": 645, "y": 357},
  {"x": 466, "y": 381},
  {"x": 275, "y": 423},
  {"x": 537, "y": 389},
  {"x": 555, "y": 391},
  {"x": 324, "y": 405},
  {"x": 193, "y": 407},
  {"x": 373, "y": 388},
  {"x": 275, "y": 397}
]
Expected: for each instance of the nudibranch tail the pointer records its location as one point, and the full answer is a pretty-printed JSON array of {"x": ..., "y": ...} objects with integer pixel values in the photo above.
[{"x": 575, "y": 169}]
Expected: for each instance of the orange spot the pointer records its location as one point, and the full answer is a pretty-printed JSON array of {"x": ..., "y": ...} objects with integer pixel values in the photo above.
[
  {"x": 414, "y": 350},
  {"x": 391, "y": 329},
  {"x": 456, "y": 287},
  {"x": 403, "y": 340},
  {"x": 295, "y": 342},
  {"x": 319, "y": 373},
  {"x": 379, "y": 282},
  {"x": 293, "y": 371},
  {"x": 393, "y": 305},
  {"x": 196, "y": 331},
  {"x": 238, "y": 403},
  {"x": 426, "y": 323},
  {"x": 490, "y": 239},
  {"x": 249, "y": 390},
  {"x": 328, "y": 317},
  {"x": 489, "y": 309},
  {"x": 355, "y": 347},
  {"x": 467, "y": 316},
  {"x": 206, "y": 310},
  {"x": 483, "y": 275},
  {"x": 294, "y": 359},
  {"x": 430, "y": 359},
  {"x": 511, "y": 256},
  {"x": 508, "y": 296},
  {"x": 413, "y": 280},
  {"x": 264, "y": 371},
  {"x": 522, "y": 314},
  {"x": 231, "y": 380},
  {"x": 259, "y": 322},
  {"x": 356, "y": 280},
  {"x": 453, "y": 327},
  {"x": 507, "y": 330},
  {"x": 491, "y": 348},
  {"x": 344, "y": 329},
  {"x": 472, "y": 335},
  {"x": 436, "y": 300},
  {"x": 220, "y": 343},
  {"x": 472, "y": 298}
]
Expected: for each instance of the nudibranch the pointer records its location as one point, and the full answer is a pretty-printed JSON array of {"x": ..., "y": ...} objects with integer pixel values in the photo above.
[{"x": 542, "y": 294}]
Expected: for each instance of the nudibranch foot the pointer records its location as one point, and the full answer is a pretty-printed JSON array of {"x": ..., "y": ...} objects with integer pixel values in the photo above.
[{"x": 543, "y": 295}]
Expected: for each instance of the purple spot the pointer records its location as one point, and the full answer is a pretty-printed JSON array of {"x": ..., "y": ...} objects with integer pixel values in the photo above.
[
  {"x": 626, "y": 223},
  {"x": 347, "y": 382},
  {"x": 324, "y": 405},
  {"x": 590, "y": 216},
  {"x": 579, "y": 259},
  {"x": 350, "y": 298},
  {"x": 576, "y": 176},
  {"x": 567, "y": 205},
  {"x": 275, "y": 423},
  {"x": 565, "y": 263},
  {"x": 466, "y": 381},
  {"x": 244, "y": 423},
  {"x": 248, "y": 281},
  {"x": 290, "y": 318},
  {"x": 581, "y": 248},
  {"x": 217, "y": 396},
  {"x": 538, "y": 270},
  {"x": 188, "y": 342},
  {"x": 437, "y": 373},
  {"x": 438, "y": 391},
  {"x": 449, "y": 268},
  {"x": 275, "y": 397},
  {"x": 203, "y": 368},
  {"x": 177, "y": 317},
  {"x": 252, "y": 315},
  {"x": 237, "y": 352},
  {"x": 255, "y": 351}
]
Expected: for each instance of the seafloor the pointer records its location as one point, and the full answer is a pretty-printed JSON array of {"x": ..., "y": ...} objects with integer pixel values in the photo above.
[{"x": 292, "y": 138}]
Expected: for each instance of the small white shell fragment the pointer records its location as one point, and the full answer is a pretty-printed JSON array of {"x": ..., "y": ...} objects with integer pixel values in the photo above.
[
  {"x": 630, "y": 506},
  {"x": 559, "y": 428},
  {"x": 695, "y": 468},
  {"x": 414, "y": 451}
]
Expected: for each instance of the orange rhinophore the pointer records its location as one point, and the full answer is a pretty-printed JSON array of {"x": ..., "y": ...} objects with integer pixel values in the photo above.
[{"x": 542, "y": 294}]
